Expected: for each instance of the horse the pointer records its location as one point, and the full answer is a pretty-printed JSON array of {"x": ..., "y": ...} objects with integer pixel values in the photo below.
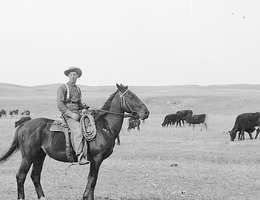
[{"x": 35, "y": 141}]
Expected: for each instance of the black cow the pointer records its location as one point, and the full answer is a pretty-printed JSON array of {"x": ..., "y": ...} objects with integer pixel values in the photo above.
[
  {"x": 2, "y": 113},
  {"x": 133, "y": 123},
  {"x": 170, "y": 119},
  {"x": 182, "y": 115},
  {"x": 246, "y": 122},
  {"x": 197, "y": 119}
]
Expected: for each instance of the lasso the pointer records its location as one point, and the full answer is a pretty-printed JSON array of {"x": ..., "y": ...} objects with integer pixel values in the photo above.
[{"x": 88, "y": 127}]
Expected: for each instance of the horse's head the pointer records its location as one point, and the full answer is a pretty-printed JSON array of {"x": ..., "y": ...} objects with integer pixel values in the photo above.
[{"x": 130, "y": 103}]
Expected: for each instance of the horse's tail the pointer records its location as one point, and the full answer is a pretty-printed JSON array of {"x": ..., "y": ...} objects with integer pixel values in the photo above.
[{"x": 13, "y": 148}]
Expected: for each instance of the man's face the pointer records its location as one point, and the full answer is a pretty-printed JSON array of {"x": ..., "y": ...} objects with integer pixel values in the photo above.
[{"x": 73, "y": 76}]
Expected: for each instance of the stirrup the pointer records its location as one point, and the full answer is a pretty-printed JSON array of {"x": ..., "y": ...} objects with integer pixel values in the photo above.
[{"x": 82, "y": 160}]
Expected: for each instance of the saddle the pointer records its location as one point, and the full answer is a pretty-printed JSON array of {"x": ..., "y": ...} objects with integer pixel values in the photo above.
[{"x": 88, "y": 131}]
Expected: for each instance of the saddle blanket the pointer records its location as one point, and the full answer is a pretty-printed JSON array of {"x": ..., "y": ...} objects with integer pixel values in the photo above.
[{"x": 59, "y": 125}]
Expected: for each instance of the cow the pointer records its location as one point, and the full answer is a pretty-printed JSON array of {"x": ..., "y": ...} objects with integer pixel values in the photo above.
[
  {"x": 183, "y": 114},
  {"x": 170, "y": 119},
  {"x": 13, "y": 112},
  {"x": 246, "y": 122},
  {"x": 197, "y": 119},
  {"x": 26, "y": 113},
  {"x": 2, "y": 113},
  {"x": 133, "y": 123}
]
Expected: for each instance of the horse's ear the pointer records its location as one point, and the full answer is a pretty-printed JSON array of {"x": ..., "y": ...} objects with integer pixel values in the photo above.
[
  {"x": 119, "y": 87},
  {"x": 122, "y": 86}
]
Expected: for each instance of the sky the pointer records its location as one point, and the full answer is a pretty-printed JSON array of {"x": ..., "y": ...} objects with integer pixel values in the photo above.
[{"x": 137, "y": 42}]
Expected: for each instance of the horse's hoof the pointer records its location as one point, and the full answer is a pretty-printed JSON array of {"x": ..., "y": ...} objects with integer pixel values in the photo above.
[{"x": 42, "y": 198}]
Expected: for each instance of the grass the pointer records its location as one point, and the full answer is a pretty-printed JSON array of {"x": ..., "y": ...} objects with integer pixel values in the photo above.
[{"x": 156, "y": 163}]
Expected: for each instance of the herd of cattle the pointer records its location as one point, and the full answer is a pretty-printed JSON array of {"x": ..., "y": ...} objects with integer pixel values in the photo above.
[
  {"x": 246, "y": 122},
  {"x": 12, "y": 113},
  {"x": 182, "y": 116}
]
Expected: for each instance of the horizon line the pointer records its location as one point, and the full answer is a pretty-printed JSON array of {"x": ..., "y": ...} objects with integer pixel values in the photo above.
[{"x": 168, "y": 85}]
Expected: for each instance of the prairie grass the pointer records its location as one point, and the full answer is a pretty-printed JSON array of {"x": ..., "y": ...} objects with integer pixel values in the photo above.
[{"x": 156, "y": 163}]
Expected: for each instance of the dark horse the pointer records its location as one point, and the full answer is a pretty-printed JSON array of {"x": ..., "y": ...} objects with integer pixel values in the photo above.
[{"x": 35, "y": 140}]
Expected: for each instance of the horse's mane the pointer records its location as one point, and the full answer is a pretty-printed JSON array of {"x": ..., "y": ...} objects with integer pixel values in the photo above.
[{"x": 106, "y": 106}]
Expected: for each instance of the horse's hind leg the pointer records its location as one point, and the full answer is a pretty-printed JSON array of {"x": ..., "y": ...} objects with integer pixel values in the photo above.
[
  {"x": 21, "y": 176},
  {"x": 36, "y": 173}
]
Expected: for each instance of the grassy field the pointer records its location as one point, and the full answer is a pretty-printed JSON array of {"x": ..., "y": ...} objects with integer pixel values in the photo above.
[{"x": 156, "y": 163}]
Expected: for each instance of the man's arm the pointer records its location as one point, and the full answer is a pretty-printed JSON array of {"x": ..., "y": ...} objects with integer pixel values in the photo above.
[{"x": 61, "y": 99}]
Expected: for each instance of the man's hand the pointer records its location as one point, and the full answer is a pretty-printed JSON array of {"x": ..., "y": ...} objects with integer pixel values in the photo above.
[{"x": 72, "y": 115}]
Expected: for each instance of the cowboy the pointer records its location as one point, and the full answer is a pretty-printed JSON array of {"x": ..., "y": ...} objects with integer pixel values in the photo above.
[{"x": 69, "y": 103}]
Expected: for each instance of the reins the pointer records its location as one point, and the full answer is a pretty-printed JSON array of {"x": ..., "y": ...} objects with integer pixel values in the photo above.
[
  {"x": 115, "y": 113},
  {"x": 121, "y": 114}
]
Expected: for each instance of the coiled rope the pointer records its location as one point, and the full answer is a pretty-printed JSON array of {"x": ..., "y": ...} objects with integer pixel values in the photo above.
[{"x": 87, "y": 124}]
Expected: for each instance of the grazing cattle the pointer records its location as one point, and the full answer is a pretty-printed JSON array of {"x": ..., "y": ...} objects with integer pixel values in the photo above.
[
  {"x": 197, "y": 119},
  {"x": 182, "y": 115},
  {"x": 170, "y": 119},
  {"x": 13, "y": 112},
  {"x": 133, "y": 123},
  {"x": 2, "y": 113},
  {"x": 246, "y": 122}
]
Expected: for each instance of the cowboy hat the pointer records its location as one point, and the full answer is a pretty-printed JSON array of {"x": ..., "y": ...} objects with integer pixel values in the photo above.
[{"x": 73, "y": 69}]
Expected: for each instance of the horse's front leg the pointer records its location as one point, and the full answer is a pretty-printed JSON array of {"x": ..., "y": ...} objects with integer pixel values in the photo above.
[{"x": 92, "y": 178}]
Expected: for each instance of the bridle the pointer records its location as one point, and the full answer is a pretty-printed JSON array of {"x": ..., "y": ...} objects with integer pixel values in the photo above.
[{"x": 123, "y": 101}]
